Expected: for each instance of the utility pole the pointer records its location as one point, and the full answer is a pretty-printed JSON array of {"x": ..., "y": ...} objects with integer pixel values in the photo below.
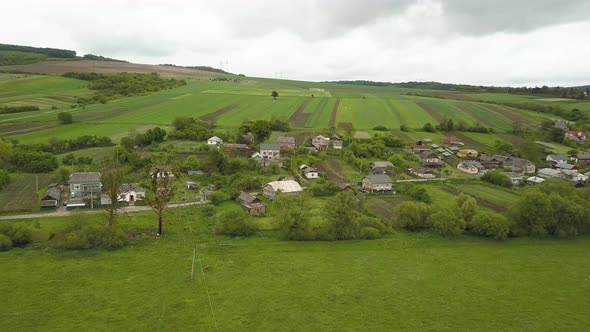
[
  {"x": 92, "y": 199},
  {"x": 117, "y": 155},
  {"x": 36, "y": 183}
]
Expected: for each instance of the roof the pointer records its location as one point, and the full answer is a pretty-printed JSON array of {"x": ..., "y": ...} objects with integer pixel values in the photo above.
[
  {"x": 535, "y": 179},
  {"x": 583, "y": 155},
  {"x": 322, "y": 137},
  {"x": 270, "y": 146},
  {"x": 558, "y": 157},
  {"x": 454, "y": 148},
  {"x": 127, "y": 187},
  {"x": 436, "y": 146},
  {"x": 441, "y": 150},
  {"x": 381, "y": 164},
  {"x": 53, "y": 193},
  {"x": 215, "y": 138},
  {"x": 379, "y": 178},
  {"x": 246, "y": 198},
  {"x": 286, "y": 186},
  {"x": 308, "y": 169},
  {"x": 84, "y": 177},
  {"x": 427, "y": 140},
  {"x": 257, "y": 155},
  {"x": 285, "y": 139},
  {"x": 560, "y": 125},
  {"x": 427, "y": 154},
  {"x": 549, "y": 172},
  {"x": 473, "y": 163},
  {"x": 446, "y": 154},
  {"x": 421, "y": 147},
  {"x": 565, "y": 166}
]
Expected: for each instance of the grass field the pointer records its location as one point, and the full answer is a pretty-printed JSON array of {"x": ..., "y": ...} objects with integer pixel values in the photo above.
[
  {"x": 406, "y": 282},
  {"x": 20, "y": 196}
]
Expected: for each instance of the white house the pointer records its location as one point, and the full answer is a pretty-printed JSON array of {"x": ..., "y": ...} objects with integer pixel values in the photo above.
[
  {"x": 321, "y": 142},
  {"x": 309, "y": 172},
  {"x": 214, "y": 141},
  {"x": 270, "y": 151},
  {"x": 131, "y": 192},
  {"x": 471, "y": 167},
  {"x": 336, "y": 142},
  {"x": 288, "y": 187},
  {"x": 557, "y": 158},
  {"x": 377, "y": 183},
  {"x": 258, "y": 157}
]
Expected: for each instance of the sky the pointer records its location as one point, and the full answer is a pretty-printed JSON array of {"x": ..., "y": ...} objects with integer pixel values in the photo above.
[{"x": 499, "y": 42}]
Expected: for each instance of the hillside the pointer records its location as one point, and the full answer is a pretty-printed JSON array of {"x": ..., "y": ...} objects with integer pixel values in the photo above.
[{"x": 103, "y": 67}]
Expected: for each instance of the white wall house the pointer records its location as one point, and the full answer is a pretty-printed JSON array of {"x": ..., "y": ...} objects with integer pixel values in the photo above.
[
  {"x": 214, "y": 141},
  {"x": 270, "y": 151},
  {"x": 131, "y": 192}
]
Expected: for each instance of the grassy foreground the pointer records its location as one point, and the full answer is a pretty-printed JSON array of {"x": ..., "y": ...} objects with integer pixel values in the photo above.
[{"x": 406, "y": 282}]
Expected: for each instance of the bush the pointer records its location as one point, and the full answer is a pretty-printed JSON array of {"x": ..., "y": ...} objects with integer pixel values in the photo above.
[
  {"x": 218, "y": 197},
  {"x": 369, "y": 233},
  {"x": 447, "y": 223},
  {"x": 416, "y": 193},
  {"x": 5, "y": 243},
  {"x": 429, "y": 128},
  {"x": 490, "y": 224},
  {"x": 235, "y": 222},
  {"x": 65, "y": 117},
  {"x": 80, "y": 237},
  {"x": 208, "y": 211},
  {"x": 4, "y": 178},
  {"x": 380, "y": 128},
  {"x": 496, "y": 177},
  {"x": 19, "y": 233},
  {"x": 404, "y": 128},
  {"x": 414, "y": 216}
]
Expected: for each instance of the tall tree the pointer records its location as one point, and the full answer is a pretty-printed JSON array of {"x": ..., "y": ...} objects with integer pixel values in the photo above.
[
  {"x": 274, "y": 94},
  {"x": 160, "y": 189},
  {"x": 466, "y": 207},
  {"x": 295, "y": 217},
  {"x": 112, "y": 181},
  {"x": 340, "y": 212}
]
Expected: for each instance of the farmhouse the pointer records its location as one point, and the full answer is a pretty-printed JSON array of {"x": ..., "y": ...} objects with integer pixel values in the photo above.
[
  {"x": 576, "y": 135},
  {"x": 471, "y": 167},
  {"x": 377, "y": 183},
  {"x": 566, "y": 166},
  {"x": 286, "y": 187},
  {"x": 286, "y": 142},
  {"x": 557, "y": 158},
  {"x": 422, "y": 172},
  {"x": 270, "y": 151},
  {"x": 519, "y": 165},
  {"x": 214, "y": 141},
  {"x": 51, "y": 198},
  {"x": 583, "y": 159},
  {"x": 491, "y": 162},
  {"x": 451, "y": 140},
  {"x": 258, "y": 157},
  {"x": 515, "y": 178},
  {"x": 549, "y": 173},
  {"x": 535, "y": 180},
  {"x": 379, "y": 167},
  {"x": 429, "y": 159},
  {"x": 251, "y": 204},
  {"x": 465, "y": 153},
  {"x": 561, "y": 125},
  {"x": 85, "y": 184},
  {"x": 309, "y": 172},
  {"x": 131, "y": 192},
  {"x": 336, "y": 142},
  {"x": 320, "y": 142},
  {"x": 190, "y": 185}
]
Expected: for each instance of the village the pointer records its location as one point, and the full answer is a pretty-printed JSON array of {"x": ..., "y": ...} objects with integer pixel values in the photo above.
[{"x": 436, "y": 161}]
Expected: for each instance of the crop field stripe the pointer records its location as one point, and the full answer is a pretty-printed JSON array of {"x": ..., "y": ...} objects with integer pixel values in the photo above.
[
  {"x": 334, "y": 113},
  {"x": 320, "y": 116},
  {"x": 300, "y": 116},
  {"x": 411, "y": 113},
  {"x": 211, "y": 117},
  {"x": 396, "y": 112},
  {"x": 344, "y": 113}
]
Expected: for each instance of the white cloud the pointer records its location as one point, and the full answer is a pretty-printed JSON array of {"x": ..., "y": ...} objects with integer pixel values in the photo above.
[{"x": 497, "y": 42}]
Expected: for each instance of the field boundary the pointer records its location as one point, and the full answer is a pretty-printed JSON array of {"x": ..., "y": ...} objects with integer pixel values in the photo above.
[
  {"x": 334, "y": 113},
  {"x": 299, "y": 117},
  {"x": 211, "y": 117}
]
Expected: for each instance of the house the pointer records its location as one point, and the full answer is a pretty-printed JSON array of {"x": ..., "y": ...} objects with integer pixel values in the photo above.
[
  {"x": 441, "y": 150},
  {"x": 576, "y": 135},
  {"x": 377, "y": 183},
  {"x": 447, "y": 154},
  {"x": 286, "y": 142},
  {"x": 466, "y": 153},
  {"x": 131, "y": 192},
  {"x": 451, "y": 140},
  {"x": 214, "y": 141},
  {"x": 51, "y": 198},
  {"x": 248, "y": 137},
  {"x": 287, "y": 187},
  {"x": 235, "y": 147},
  {"x": 251, "y": 204},
  {"x": 583, "y": 159},
  {"x": 190, "y": 185},
  {"x": 561, "y": 125},
  {"x": 320, "y": 142},
  {"x": 419, "y": 148},
  {"x": 309, "y": 172},
  {"x": 422, "y": 172},
  {"x": 557, "y": 158},
  {"x": 429, "y": 159},
  {"x": 491, "y": 162},
  {"x": 471, "y": 167},
  {"x": 85, "y": 184},
  {"x": 565, "y": 166},
  {"x": 515, "y": 178},
  {"x": 535, "y": 180},
  {"x": 435, "y": 146},
  {"x": 258, "y": 157},
  {"x": 519, "y": 165},
  {"x": 379, "y": 167},
  {"x": 574, "y": 176},
  {"x": 270, "y": 151},
  {"x": 454, "y": 149},
  {"x": 427, "y": 140},
  {"x": 336, "y": 142},
  {"x": 549, "y": 173}
]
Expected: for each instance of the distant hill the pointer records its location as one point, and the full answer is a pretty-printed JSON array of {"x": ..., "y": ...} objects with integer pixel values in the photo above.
[{"x": 203, "y": 68}]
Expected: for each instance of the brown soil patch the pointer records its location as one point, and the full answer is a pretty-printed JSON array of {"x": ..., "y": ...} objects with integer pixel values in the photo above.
[
  {"x": 211, "y": 117},
  {"x": 508, "y": 112},
  {"x": 347, "y": 126},
  {"x": 299, "y": 118},
  {"x": 333, "y": 114},
  {"x": 332, "y": 170},
  {"x": 434, "y": 114},
  {"x": 10, "y": 129}
]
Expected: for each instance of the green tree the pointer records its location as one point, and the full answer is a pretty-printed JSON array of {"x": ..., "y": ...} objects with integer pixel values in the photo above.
[
  {"x": 490, "y": 224},
  {"x": 466, "y": 207},
  {"x": 428, "y": 127},
  {"x": 261, "y": 130},
  {"x": 340, "y": 213},
  {"x": 65, "y": 117},
  {"x": 4, "y": 178},
  {"x": 112, "y": 181},
  {"x": 533, "y": 213},
  {"x": 295, "y": 216},
  {"x": 413, "y": 216},
  {"x": 160, "y": 189},
  {"x": 274, "y": 94},
  {"x": 234, "y": 222},
  {"x": 446, "y": 222}
]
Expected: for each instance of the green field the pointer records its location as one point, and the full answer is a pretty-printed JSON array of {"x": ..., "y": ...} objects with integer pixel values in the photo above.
[
  {"x": 20, "y": 196},
  {"x": 405, "y": 282}
]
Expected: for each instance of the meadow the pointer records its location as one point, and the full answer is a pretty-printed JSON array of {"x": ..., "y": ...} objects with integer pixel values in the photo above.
[{"x": 404, "y": 282}]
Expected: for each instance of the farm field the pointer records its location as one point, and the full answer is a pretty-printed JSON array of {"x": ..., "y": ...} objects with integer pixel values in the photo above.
[
  {"x": 405, "y": 282},
  {"x": 19, "y": 195},
  {"x": 41, "y": 91}
]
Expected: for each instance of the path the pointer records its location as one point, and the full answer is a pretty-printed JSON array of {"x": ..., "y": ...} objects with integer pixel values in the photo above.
[{"x": 95, "y": 211}]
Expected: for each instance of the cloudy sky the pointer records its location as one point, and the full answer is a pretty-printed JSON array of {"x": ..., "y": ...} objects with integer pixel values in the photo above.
[{"x": 500, "y": 42}]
